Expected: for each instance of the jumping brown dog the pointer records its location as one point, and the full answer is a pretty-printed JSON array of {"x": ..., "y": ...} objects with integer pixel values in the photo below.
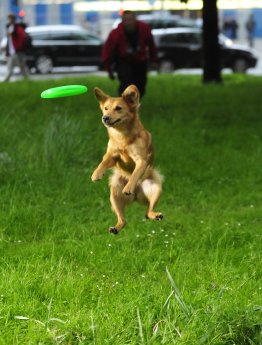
[{"x": 130, "y": 154}]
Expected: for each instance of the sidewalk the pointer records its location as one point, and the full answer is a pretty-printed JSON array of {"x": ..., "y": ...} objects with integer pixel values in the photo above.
[{"x": 258, "y": 46}]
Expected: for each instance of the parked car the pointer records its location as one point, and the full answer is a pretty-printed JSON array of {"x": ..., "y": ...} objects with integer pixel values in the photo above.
[
  {"x": 158, "y": 21},
  {"x": 62, "y": 45},
  {"x": 182, "y": 48}
]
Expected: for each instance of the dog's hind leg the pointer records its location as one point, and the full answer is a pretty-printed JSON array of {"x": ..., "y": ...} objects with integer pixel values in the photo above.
[
  {"x": 151, "y": 188},
  {"x": 118, "y": 201}
]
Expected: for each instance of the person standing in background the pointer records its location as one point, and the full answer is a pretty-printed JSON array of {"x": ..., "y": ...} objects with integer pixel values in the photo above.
[
  {"x": 128, "y": 51},
  {"x": 250, "y": 27},
  {"x": 15, "y": 47}
]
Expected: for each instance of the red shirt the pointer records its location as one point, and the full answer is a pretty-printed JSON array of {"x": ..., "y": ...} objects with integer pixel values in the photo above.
[
  {"x": 18, "y": 38},
  {"x": 117, "y": 46}
]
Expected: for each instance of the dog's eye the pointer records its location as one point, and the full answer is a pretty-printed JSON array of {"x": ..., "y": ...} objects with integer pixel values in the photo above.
[
  {"x": 118, "y": 108},
  {"x": 106, "y": 108}
]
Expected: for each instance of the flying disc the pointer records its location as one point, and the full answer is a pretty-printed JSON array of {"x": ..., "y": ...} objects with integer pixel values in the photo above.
[{"x": 64, "y": 91}]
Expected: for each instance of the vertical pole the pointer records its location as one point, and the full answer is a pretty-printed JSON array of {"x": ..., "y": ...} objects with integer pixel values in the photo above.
[{"x": 211, "y": 50}]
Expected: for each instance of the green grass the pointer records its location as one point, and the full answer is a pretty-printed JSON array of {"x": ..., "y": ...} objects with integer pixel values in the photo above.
[{"x": 192, "y": 279}]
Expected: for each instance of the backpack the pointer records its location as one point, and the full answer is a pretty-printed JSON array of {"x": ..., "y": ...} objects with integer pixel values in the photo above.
[{"x": 28, "y": 44}]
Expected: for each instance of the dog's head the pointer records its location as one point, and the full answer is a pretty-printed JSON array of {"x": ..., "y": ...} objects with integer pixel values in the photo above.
[{"x": 118, "y": 112}]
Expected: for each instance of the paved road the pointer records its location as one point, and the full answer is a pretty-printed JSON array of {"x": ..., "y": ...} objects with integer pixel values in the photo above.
[{"x": 81, "y": 71}]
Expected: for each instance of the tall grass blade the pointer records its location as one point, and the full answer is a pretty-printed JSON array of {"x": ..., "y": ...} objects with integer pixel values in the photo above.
[
  {"x": 168, "y": 299},
  {"x": 93, "y": 329},
  {"x": 178, "y": 296},
  {"x": 21, "y": 317},
  {"x": 58, "y": 320},
  {"x": 49, "y": 307},
  {"x": 140, "y": 327}
]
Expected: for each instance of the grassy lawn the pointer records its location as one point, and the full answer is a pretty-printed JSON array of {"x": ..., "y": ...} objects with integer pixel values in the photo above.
[{"x": 191, "y": 279}]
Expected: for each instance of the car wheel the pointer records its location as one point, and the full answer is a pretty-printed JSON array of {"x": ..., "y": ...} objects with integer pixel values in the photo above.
[
  {"x": 240, "y": 66},
  {"x": 166, "y": 66},
  {"x": 44, "y": 64}
]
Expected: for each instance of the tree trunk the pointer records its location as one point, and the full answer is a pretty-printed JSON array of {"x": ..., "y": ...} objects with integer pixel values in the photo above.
[{"x": 211, "y": 51}]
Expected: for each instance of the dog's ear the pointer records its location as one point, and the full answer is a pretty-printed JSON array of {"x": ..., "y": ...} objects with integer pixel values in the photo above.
[
  {"x": 100, "y": 95},
  {"x": 131, "y": 96}
]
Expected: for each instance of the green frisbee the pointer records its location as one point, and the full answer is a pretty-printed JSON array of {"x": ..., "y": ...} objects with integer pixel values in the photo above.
[{"x": 64, "y": 91}]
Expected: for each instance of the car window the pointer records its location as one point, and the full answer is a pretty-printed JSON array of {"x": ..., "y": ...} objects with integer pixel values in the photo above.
[
  {"x": 66, "y": 36},
  {"x": 193, "y": 38},
  {"x": 157, "y": 24},
  {"x": 161, "y": 23},
  {"x": 186, "y": 22},
  {"x": 198, "y": 37},
  {"x": 83, "y": 36},
  {"x": 40, "y": 36},
  {"x": 167, "y": 39},
  {"x": 171, "y": 24},
  {"x": 154, "y": 24},
  {"x": 181, "y": 38},
  {"x": 168, "y": 24},
  {"x": 61, "y": 36},
  {"x": 174, "y": 38}
]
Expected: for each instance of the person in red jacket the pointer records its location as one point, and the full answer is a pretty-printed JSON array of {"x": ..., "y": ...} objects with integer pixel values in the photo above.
[
  {"x": 15, "y": 47},
  {"x": 128, "y": 50}
]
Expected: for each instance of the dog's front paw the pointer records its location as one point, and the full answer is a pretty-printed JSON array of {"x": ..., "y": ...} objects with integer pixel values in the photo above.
[
  {"x": 96, "y": 176},
  {"x": 128, "y": 190},
  {"x": 113, "y": 230}
]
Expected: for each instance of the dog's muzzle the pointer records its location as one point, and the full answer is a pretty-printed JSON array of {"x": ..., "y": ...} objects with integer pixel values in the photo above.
[{"x": 107, "y": 120}]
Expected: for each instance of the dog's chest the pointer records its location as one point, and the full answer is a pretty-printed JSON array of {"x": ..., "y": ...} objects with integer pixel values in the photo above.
[
  {"x": 125, "y": 162},
  {"x": 125, "y": 150}
]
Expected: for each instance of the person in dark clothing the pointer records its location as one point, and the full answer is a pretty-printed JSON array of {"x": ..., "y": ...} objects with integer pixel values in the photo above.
[
  {"x": 15, "y": 47},
  {"x": 128, "y": 51},
  {"x": 250, "y": 27}
]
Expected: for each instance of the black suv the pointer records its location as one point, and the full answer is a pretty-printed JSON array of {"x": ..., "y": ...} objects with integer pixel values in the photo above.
[
  {"x": 163, "y": 21},
  {"x": 62, "y": 45},
  {"x": 182, "y": 48},
  {"x": 167, "y": 21}
]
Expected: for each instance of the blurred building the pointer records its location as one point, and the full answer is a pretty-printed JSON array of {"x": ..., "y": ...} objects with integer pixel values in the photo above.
[
  {"x": 43, "y": 12},
  {"x": 99, "y": 15}
]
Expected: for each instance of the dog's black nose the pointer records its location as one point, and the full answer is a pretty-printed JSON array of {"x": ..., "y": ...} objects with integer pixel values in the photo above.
[{"x": 106, "y": 119}]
